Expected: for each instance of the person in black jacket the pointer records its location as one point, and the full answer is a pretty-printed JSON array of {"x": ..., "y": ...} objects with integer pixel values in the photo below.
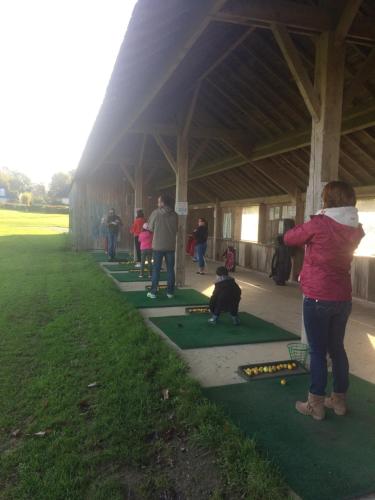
[
  {"x": 281, "y": 263},
  {"x": 225, "y": 298},
  {"x": 200, "y": 236}
]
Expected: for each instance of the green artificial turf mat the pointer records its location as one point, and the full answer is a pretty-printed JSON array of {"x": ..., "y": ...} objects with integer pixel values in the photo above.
[
  {"x": 193, "y": 331},
  {"x": 133, "y": 277},
  {"x": 182, "y": 297},
  {"x": 113, "y": 268},
  {"x": 332, "y": 459},
  {"x": 103, "y": 257}
]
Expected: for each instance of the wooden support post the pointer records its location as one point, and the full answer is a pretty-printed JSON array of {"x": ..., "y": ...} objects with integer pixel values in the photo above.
[
  {"x": 216, "y": 229},
  {"x": 326, "y": 133},
  {"x": 262, "y": 223},
  {"x": 298, "y": 255},
  {"x": 181, "y": 197}
]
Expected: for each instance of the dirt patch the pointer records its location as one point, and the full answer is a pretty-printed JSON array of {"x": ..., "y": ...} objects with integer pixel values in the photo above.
[{"x": 181, "y": 471}]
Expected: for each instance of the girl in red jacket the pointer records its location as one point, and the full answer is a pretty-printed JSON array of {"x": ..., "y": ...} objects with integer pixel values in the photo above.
[
  {"x": 330, "y": 238},
  {"x": 135, "y": 229}
]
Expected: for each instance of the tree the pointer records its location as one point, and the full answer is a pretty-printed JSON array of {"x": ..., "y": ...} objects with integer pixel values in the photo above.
[
  {"x": 26, "y": 198},
  {"x": 14, "y": 182},
  {"x": 39, "y": 193},
  {"x": 60, "y": 186}
]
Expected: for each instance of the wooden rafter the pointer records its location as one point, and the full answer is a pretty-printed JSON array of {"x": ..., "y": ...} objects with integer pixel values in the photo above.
[
  {"x": 298, "y": 70},
  {"x": 346, "y": 20},
  {"x": 360, "y": 118},
  {"x": 129, "y": 177},
  {"x": 226, "y": 53},
  {"x": 190, "y": 111},
  {"x": 166, "y": 151},
  {"x": 299, "y": 18},
  {"x": 198, "y": 21}
]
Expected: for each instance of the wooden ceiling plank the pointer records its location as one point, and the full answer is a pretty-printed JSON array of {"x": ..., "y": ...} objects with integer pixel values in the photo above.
[{"x": 361, "y": 77}]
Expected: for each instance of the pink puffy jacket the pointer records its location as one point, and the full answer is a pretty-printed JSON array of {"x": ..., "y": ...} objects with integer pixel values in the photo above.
[
  {"x": 145, "y": 240},
  {"x": 329, "y": 248}
]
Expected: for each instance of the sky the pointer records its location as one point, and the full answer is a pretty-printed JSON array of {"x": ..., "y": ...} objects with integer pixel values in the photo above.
[{"x": 56, "y": 58}]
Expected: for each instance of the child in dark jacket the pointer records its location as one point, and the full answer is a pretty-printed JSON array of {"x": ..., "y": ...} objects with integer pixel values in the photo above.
[
  {"x": 281, "y": 263},
  {"x": 225, "y": 298}
]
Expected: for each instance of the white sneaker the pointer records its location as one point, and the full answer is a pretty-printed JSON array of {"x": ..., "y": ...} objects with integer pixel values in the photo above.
[
  {"x": 151, "y": 295},
  {"x": 138, "y": 264},
  {"x": 170, "y": 295}
]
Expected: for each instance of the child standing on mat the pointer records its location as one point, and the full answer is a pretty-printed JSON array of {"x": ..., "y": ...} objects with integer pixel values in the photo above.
[
  {"x": 145, "y": 243},
  {"x": 225, "y": 298}
]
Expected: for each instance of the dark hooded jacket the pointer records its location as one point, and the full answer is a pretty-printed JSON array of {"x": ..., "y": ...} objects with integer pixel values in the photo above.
[{"x": 226, "y": 296}]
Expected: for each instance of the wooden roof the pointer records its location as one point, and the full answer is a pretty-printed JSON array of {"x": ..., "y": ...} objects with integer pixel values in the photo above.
[{"x": 250, "y": 131}]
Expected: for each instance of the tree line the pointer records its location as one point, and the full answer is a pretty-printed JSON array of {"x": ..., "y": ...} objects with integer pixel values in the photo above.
[{"x": 18, "y": 187}]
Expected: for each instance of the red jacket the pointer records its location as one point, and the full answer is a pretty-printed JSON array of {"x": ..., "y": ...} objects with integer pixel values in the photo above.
[
  {"x": 329, "y": 248},
  {"x": 137, "y": 226}
]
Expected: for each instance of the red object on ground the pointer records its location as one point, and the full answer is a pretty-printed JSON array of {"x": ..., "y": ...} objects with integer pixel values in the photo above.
[
  {"x": 190, "y": 246},
  {"x": 230, "y": 258}
]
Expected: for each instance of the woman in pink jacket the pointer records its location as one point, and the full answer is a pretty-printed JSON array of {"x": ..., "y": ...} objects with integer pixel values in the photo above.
[{"x": 330, "y": 238}]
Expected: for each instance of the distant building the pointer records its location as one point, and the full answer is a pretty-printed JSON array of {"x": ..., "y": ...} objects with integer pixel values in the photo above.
[{"x": 3, "y": 195}]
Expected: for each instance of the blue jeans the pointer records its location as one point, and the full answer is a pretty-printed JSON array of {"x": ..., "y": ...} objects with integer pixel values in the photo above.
[
  {"x": 201, "y": 252},
  {"x": 112, "y": 243},
  {"x": 158, "y": 255},
  {"x": 325, "y": 323}
]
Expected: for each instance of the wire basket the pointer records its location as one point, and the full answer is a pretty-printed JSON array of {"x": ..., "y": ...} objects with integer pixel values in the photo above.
[{"x": 298, "y": 352}]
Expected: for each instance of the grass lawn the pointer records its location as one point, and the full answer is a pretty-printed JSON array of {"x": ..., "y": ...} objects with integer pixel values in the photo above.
[
  {"x": 13, "y": 222},
  {"x": 63, "y": 327}
]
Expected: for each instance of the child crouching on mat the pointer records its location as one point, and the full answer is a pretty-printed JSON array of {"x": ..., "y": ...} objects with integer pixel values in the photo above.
[{"x": 225, "y": 298}]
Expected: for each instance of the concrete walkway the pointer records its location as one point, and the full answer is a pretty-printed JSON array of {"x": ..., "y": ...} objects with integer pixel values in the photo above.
[{"x": 280, "y": 305}]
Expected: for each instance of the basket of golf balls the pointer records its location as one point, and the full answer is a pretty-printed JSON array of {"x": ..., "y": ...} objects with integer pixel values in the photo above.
[
  {"x": 197, "y": 310},
  {"x": 273, "y": 369}
]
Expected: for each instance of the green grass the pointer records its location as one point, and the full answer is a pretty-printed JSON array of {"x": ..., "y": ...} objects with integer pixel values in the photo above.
[
  {"x": 13, "y": 222},
  {"x": 63, "y": 326}
]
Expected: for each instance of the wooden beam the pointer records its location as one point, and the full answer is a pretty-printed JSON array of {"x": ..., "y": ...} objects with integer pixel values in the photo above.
[
  {"x": 363, "y": 74},
  {"x": 167, "y": 152},
  {"x": 190, "y": 111},
  {"x": 199, "y": 132},
  {"x": 298, "y": 70},
  {"x": 128, "y": 176},
  {"x": 181, "y": 197},
  {"x": 302, "y": 16},
  {"x": 359, "y": 118},
  {"x": 299, "y": 18},
  {"x": 226, "y": 53},
  {"x": 346, "y": 20},
  {"x": 200, "y": 15},
  {"x": 326, "y": 133}
]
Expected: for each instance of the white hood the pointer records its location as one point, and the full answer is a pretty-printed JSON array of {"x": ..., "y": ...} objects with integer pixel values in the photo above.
[{"x": 343, "y": 215}]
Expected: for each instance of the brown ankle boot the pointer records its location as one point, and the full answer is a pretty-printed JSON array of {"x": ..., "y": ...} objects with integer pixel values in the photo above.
[
  {"x": 313, "y": 407},
  {"x": 337, "y": 403}
]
